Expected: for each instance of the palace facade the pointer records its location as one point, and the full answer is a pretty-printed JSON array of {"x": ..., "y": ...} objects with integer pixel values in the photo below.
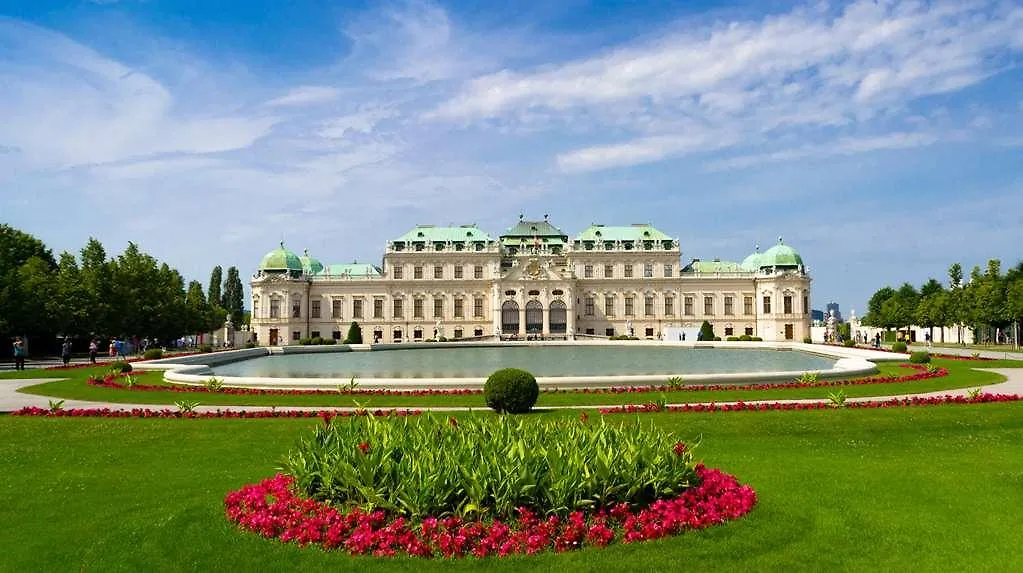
[{"x": 531, "y": 281}]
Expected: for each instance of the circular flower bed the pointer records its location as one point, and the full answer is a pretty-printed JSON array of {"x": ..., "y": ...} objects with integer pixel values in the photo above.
[{"x": 274, "y": 509}]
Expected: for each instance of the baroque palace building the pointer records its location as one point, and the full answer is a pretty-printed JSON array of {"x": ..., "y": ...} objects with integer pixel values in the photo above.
[{"x": 532, "y": 281}]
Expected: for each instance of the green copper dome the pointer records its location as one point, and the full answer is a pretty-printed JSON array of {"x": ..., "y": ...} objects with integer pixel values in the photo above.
[
  {"x": 781, "y": 255},
  {"x": 752, "y": 262},
  {"x": 310, "y": 265},
  {"x": 281, "y": 259}
]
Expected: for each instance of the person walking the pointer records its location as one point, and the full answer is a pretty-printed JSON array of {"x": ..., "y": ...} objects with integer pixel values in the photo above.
[
  {"x": 19, "y": 354},
  {"x": 65, "y": 351},
  {"x": 93, "y": 350},
  {"x": 112, "y": 351}
]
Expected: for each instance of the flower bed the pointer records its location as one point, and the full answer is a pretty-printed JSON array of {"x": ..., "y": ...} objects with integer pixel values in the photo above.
[
  {"x": 923, "y": 373},
  {"x": 273, "y": 509},
  {"x": 818, "y": 405},
  {"x": 169, "y": 413}
]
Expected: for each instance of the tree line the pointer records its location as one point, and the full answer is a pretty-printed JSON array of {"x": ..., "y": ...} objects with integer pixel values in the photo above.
[
  {"x": 990, "y": 302},
  {"x": 95, "y": 296}
]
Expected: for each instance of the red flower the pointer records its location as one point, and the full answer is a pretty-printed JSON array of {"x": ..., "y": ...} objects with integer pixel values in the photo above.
[
  {"x": 680, "y": 448},
  {"x": 364, "y": 447},
  {"x": 453, "y": 422}
]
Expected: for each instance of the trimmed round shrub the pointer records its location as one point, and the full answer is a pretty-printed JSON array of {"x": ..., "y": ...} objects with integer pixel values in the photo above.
[
  {"x": 848, "y": 343},
  {"x": 807, "y": 340},
  {"x": 511, "y": 390},
  {"x": 121, "y": 366},
  {"x": 732, "y": 339},
  {"x": 206, "y": 348},
  {"x": 153, "y": 354},
  {"x": 756, "y": 339},
  {"x": 899, "y": 347},
  {"x": 920, "y": 357},
  {"x": 745, "y": 338}
]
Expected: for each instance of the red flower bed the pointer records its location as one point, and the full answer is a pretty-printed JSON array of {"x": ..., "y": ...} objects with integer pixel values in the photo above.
[
  {"x": 820, "y": 405},
  {"x": 169, "y": 413},
  {"x": 110, "y": 381},
  {"x": 273, "y": 509}
]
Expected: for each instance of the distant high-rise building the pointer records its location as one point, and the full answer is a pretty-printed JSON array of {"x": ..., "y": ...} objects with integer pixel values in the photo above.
[
  {"x": 833, "y": 306},
  {"x": 817, "y": 316}
]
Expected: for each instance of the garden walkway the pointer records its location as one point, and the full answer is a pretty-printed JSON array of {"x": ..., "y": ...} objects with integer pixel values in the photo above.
[{"x": 11, "y": 399}]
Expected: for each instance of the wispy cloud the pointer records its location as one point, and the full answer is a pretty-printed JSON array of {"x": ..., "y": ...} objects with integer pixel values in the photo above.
[
  {"x": 844, "y": 146},
  {"x": 307, "y": 95},
  {"x": 807, "y": 69}
]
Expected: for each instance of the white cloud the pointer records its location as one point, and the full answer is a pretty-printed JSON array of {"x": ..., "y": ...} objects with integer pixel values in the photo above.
[
  {"x": 845, "y": 146},
  {"x": 638, "y": 151},
  {"x": 307, "y": 95}
]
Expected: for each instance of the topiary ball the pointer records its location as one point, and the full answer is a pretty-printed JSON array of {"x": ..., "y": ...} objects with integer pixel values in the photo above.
[
  {"x": 899, "y": 347},
  {"x": 121, "y": 366},
  {"x": 920, "y": 357},
  {"x": 511, "y": 390}
]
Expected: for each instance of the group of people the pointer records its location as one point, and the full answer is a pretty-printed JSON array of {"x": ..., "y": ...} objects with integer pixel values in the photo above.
[{"x": 117, "y": 349}]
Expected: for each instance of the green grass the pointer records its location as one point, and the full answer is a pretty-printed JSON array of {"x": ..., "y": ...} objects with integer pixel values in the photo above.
[
  {"x": 962, "y": 375},
  {"x": 936, "y": 488}
]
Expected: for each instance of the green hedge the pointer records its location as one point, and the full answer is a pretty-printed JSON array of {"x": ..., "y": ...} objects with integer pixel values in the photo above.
[
  {"x": 920, "y": 357},
  {"x": 899, "y": 347},
  {"x": 121, "y": 366},
  {"x": 153, "y": 354},
  {"x": 511, "y": 390},
  {"x": 485, "y": 466}
]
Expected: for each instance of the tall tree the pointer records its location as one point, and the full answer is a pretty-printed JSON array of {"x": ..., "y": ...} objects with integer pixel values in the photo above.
[
  {"x": 16, "y": 249},
  {"x": 214, "y": 294},
  {"x": 69, "y": 304},
  {"x": 97, "y": 280},
  {"x": 196, "y": 308},
  {"x": 955, "y": 305},
  {"x": 234, "y": 296},
  {"x": 875, "y": 316}
]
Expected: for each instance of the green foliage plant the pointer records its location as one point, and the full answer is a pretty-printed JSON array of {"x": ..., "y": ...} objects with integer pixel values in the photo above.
[
  {"x": 354, "y": 334},
  {"x": 807, "y": 340},
  {"x": 130, "y": 381},
  {"x": 675, "y": 382},
  {"x": 56, "y": 405},
  {"x": 482, "y": 467},
  {"x": 920, "y": 357},
  {"x": 807, "y": 378},
  {"x": 706, "y": 331},
  {"x": 214, "y": 384},
  {"x": 153, "y": 354},
  {"x": 511, "y": 390},
  {"x": 973, "y": 394},
  {"x": 120, "y": 367},
  {"x": 745, "y": 338},
  {"x": 186, "y": 407},
  {"x": 756, "y": 339},
  {"x": 899, "y": 347},
  {"x": 837, "y": 399},
  {"x": 206, "y": 348},
  {"x": 848, "y": 343}
]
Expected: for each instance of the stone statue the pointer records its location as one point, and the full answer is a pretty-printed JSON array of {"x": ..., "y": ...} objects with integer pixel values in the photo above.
[{"x": 830, "y": 329}]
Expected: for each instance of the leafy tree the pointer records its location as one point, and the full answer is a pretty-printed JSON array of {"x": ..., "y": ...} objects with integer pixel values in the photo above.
[
  {"x": 354, "y": 334},
  {"x": 1014, "y": 300},
  {"x": 234, "y": 296},
  {"x": 930, "y": 308},
  {"x": 97, "y": 281},
  {"x": 706, "y": 331},
  {"x": 32, "y": 290},
  {"x": 196, "y": 308},
  {"x": 875, "y": 317},
  {"x": 68, "y": 306},
  {"x": 213, "y": 294},
  {"x": 956, "y": 312},
  {"x": 16, "y": 249}
]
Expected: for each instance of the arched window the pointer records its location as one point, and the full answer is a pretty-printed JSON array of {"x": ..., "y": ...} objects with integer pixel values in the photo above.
[
  {"x": 559, "y": 317},
  {"x": 510, "y": 317},
  {"x": 534, "y": 317}
]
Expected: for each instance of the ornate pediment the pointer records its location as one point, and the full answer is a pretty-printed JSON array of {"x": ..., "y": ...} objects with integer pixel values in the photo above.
[{"x": 534, "y": 268}]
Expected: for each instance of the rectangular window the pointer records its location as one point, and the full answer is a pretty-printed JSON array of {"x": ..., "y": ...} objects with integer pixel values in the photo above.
[
  {"x": 609, "y": 306},
  {"x": 669, "y": 306},
  {"x": 438, "y": 308},
  {"x": 335, "y": 308},
  {"x": 629, "y": 301},
  {"x": 459, "y": 308},
  {"x": 588, "y": 305},
  {"x": 749, "y": 331},
  {"x": 336, "y": 335},
  {"x": 708, "y": 305},
  {"x": 609, "y": 332},
  {"x": 590, "y": 331},
  {"x": 648, "y": 271},
  {"x": 729, "y": 331},
  {"x": 357, "y": 308},
  {"x": 728, "y": 306},
  {"x": 477, "y": 271},
  {"x": 275, "y": 308},
  {"x": 314, "y": 309},
  {"x": 806, "y": 305},
  {"x": 458, "y": 271},
  {"x": 628, "y": 271},
  {"x": 767, "y": 305},
  {"x": 296, "y": 335},
  {"x": 747, "y": 305},
  {"x": 378, "y": 308},
  {"x": 649, "y": 333},
  {"x": 314, "y": 334},
  {"x": 609, "y": 271},
  {"x": 477, "y": 307},
  {"x": 668, "y": 270},
  {"x": 397, "y": 272},
  {"x": 438, "y": 272},
  {"x": 398, "y": 308},
  {"x": 687, "y": 307},
  {"x": 296, "y": 308},
  {"x": 787, "y": 304},
  {"x": 588, "y": 271},
  {"x": 648, "y": 306},
  {"x": 417, "y": 308},
  {"x": 417, "y": 272}
]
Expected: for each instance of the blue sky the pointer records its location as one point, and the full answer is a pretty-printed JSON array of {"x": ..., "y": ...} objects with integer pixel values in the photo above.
[{"x": 883, "y": 140}]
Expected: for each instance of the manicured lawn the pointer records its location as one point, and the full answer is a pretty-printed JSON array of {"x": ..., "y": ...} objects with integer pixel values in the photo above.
[
  {"x": 962, "y": 375},
  {"x": 933, "y": 488}
]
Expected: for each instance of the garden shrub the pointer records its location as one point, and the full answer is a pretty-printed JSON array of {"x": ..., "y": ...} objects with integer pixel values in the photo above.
[
  {"x": 807, "y": 340},
  {"x": 121, "y": 366},
  {"x": 716, "y": 339},
  {"x": 153, "y": 354},
  {"x": 480, "y": 466},
  {"x": 354, "y": 334},
  {"x": 732, "y": 339},
  {"x": 250, "y": 345},
  {"x": 745, "y": 338},
  {"x": 511, "y": 390},
  {"x": 622, "y": 337},
  {"x": 756, "y": 339},
  {"x": 899, "y": 347},
  {"x": 849, "y": 343},
  {"x": 920, "y": 357},
  {"x": 706, "y": 331},
  {"x": 206, "y": 348}
]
